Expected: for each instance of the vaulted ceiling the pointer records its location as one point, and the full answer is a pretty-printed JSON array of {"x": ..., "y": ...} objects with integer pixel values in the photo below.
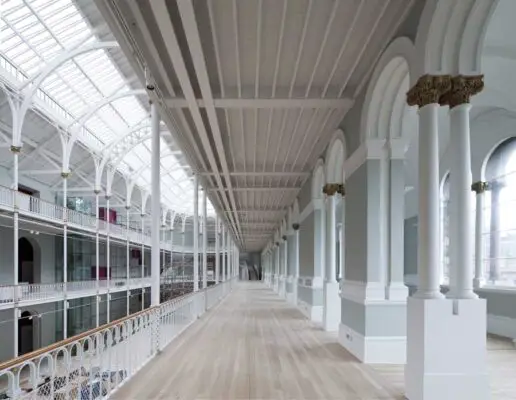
[{"x": 253, "y": 90}]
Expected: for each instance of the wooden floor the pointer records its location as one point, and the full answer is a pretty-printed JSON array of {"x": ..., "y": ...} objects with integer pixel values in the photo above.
[{"x": 255, "y": 346}]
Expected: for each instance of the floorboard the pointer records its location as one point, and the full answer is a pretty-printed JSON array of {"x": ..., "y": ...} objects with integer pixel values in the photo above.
[{"x": 256, "y": 346}]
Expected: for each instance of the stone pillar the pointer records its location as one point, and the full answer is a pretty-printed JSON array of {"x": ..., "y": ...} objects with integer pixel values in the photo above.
[
  {"x": 479, "y": 188},
  {"x": 331, "y": 297},
  {"x": 443, "y": 363}
]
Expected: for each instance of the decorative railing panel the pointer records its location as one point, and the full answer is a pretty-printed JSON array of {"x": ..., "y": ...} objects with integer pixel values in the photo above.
[{"x": 94, "y": 364}]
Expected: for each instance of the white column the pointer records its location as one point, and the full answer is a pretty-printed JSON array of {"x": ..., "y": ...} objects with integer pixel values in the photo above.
[
  {"x": 97, "y": 257},
  {"x": 277, "y": 250},
  {"x": 143, "y": 258},
  {"x": 204, "y": 240},
  {"x": 319, "y": 235},
  {"x": 217, "y": 255},
  {"x": 396, "y": 289},
  {"x": 428, "y": 224},
  {"x": 479, "y": 188},
  {"x": 196, "y": 234},
  {"x": 331, "y": 239},
  {"x": 16, "y": 152},
  {"x": 460, "y": 186},
  {"x": 65, "y": 175},
  {"x": 108, "y": 260},
  {"x": 331, "y": 299},
  {"x": 127, "y": 260},
  {"x": 156, "y": 207},
  {"x": 224, "y": 268},
  {"x": 295, "y": 262}
]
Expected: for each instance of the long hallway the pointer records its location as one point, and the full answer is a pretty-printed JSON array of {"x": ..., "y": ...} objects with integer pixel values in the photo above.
[{"x": 256, "y": 346}]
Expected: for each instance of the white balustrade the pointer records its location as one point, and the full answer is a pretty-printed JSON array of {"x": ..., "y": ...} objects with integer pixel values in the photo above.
[
  {"x": 6, "y": 197},
  {"x": 94, "y": 364}
]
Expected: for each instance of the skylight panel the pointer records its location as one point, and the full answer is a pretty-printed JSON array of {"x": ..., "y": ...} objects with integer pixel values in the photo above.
[{"x": 131, "y": 110}]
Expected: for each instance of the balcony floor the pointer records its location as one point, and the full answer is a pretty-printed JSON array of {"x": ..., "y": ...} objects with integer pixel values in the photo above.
[{"x": 256, "y": 346}]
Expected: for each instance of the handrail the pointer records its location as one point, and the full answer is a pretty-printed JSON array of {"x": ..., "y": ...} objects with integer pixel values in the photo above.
[{"x": 36, "y": 353}]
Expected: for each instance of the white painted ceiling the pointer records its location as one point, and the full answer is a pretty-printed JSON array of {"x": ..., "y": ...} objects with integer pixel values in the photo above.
[{"x": 254, "y": 88}]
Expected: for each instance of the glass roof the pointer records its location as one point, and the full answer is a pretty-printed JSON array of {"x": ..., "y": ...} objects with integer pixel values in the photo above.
[{"x": 32, "y": 34}]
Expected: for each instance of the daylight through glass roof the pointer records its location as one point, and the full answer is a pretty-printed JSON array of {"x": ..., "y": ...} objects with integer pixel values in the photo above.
[{"x": 32, "y": 34}]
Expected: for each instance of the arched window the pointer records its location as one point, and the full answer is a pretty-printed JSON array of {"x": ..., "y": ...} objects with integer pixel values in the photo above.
[{"x": 500, "y": 215}]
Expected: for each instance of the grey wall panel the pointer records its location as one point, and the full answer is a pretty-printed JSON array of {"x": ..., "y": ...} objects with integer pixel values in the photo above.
[
  {"x": 356, "y": 225},
  {"x": 410, "y": 246},
  {"x": 353, "y": 316},
  {"x": 306, "y": 246}
]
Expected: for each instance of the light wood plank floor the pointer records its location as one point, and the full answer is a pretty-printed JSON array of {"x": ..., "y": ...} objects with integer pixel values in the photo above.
[{"x": 256, "y": 346}]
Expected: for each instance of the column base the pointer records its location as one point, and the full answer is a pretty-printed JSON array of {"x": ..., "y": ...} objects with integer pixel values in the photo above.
[
  {"x": 446, "y": 349},
  {"x": 373, "y": 349},
  {"x": 331, "y": 306},
  {"x": 397, "y": 291}
]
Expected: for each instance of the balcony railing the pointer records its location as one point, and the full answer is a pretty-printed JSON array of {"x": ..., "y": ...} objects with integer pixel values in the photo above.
[
  {"x": 38, "y": 208},
  {"x": 10, "y": 294},
  {"x": 94, "y": 364}
]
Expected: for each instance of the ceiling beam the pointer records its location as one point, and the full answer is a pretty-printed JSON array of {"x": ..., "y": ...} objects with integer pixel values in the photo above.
[
  {"x": 266, "y": 174},
  {"x": 257, "y": 189},
  {"x": 256, "y": 210},
  {"x": 265, "y": 103}
]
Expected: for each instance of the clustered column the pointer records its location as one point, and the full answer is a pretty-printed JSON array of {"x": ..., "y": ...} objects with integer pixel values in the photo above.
[{"x": 429, "y": 370}]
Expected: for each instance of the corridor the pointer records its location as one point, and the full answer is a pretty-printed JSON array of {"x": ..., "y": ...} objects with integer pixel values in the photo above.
[{"x": 256, "y": 346}]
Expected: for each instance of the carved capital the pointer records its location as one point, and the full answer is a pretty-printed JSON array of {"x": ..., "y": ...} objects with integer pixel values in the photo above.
[
  {"x": 108, "y": 196},
  {"x": 96, "y": 191},
  {"x": 429, "y": 89},
  {"x": 341, "y": 190},
  {"x": 479, "y": 187},
  {"x": 65, "y": 175},
  {"x": 331, "y": 188},
  {"x": 463, "y": 87},
  {"x": 284, "y": 237},
  {"x": 15, "y": 149},
  {"x": 277, "y": 244},
  {"x": 295, "y": 227}
]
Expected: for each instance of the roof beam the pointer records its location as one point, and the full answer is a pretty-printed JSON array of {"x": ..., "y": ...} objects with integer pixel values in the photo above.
[
  {"x": 256, "y": 210},
  {"x": 266, "y": 174},
  {"x": 259, "y": 103},
  {"x": 257, "y": 189}
]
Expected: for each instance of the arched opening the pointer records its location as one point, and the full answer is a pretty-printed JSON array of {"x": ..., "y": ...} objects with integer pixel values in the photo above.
[
  {"x": 500, "y": 217},
  {"x": 25, "y": 333},
  {"x": 26, "y": 261}
]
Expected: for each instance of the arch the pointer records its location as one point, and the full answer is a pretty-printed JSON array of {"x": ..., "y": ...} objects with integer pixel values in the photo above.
[
  {"x": 30, "y": 87},
  {"x": 29, "y": 261},
  {"x": 318, "y": 179},
  {"x": 450, "y": 37},
  {"x": 335, "y": 156},
  {"x": 90, "y": 112},
  {"x": 385, "y": 102}
]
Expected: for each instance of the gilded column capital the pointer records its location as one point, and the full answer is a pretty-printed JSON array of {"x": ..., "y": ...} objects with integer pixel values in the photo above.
[
  {"x": 284, "y": 237},
  {"x": 341, "y": 190},
  {"x": 428, "y": 89},
  {"x": 331, "y": 188},
  {"x": 479, "y": 187},
  {"x": 295, "y": 227},
  {"x": 463, "y": 87},
  {"x": 15, "y": 149},
  {"x": 65, "y": 175}
]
